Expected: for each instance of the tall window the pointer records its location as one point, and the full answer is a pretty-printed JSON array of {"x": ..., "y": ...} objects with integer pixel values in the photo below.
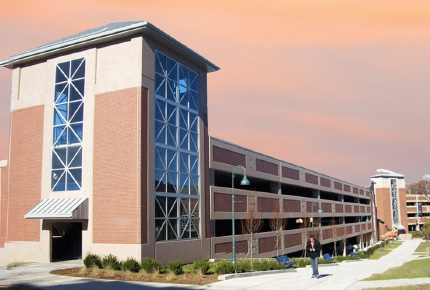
[
  {"x": 394, "y": 202},
  {"x": 176, "y": 150},
  {"x": 68, "y": 126}
]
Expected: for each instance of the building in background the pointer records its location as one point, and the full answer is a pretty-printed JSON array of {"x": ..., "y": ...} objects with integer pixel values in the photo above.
[
  {"x": 390, "y": 201},
  {"x": 110, "y": 154},
  {"x": 418, "y": 203}
]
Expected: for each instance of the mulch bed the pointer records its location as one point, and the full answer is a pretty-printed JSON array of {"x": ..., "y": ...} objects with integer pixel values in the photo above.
[{"x": 95, "y": 273}]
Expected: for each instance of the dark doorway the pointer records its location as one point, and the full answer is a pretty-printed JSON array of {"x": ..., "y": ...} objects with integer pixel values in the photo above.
[{"x": 66, "y": 241}]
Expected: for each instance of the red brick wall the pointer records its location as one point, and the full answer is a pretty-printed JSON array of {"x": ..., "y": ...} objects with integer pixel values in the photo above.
[
  {"x": 25, "y": 175},
  {"x": 383, "y": 203},
  {"x": 119, "y": 195},
  {"x": 402, "y": 204},
  {"x": 3, "y": 205}
]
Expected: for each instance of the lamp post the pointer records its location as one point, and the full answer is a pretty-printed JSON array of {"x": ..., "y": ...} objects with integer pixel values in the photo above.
[
  {"x": 312, "y": 210},
  {"x": 244, "y": 181},
  {"x": 361, "y": 233}
]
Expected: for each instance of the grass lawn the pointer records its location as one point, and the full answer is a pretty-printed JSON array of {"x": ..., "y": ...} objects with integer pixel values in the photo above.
[
  {"x": 387, "y": 249},
  {"x": 412, "y": 269},
  {"x": 414, "y": 287},
  {"x": 422, "y": 247}
]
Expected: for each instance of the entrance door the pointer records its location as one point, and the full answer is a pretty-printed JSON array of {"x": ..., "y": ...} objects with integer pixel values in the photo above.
[{"x": 66, "y": 241}]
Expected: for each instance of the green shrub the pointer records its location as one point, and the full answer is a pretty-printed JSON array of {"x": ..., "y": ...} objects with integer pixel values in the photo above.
[
  {"x": 201, "y": 265},
  {"x": 266, "y": 265},
  {"x": 242, "y": 266},
  {"x": 175, "y": 267},
  {"x": 301, "y": 262},
  {"x": 189, "y": 268},
  {"x": 347, "y": 258},
  {"x": 111, "y": 262},
  {"x": 130, "y": 265},
  {"x": 150, "y": 265},
  {"x": 324, "y": 261},
  {"x": 92, "y": 260},
  {"x": 417, "y": 234},
  {"x": 223, "y": 267}
]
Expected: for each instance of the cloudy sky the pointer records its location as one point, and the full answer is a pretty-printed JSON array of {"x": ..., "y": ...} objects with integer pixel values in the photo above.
[{"x": 340, "y": 87}]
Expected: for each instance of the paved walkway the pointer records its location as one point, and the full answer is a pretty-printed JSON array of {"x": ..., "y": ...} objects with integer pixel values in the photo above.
[{"x": 341, "y": 276}]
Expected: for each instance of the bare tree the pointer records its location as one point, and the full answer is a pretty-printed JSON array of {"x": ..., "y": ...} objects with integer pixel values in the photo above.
[
  {"x": 277, "y": 225},
  {"x": 251, "y": 225},
  {"x": 333, "y": 225},
  {"x": 305, "y": 224}
]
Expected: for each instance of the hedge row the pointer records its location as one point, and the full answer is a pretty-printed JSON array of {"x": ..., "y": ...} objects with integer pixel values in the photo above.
[
  {"x": 112, "y": 262},
  {"x": 203, "y": 267}
]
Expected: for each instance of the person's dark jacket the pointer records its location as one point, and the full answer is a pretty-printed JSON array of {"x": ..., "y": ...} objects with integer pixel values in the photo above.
[{"x": 317, "y": 247}]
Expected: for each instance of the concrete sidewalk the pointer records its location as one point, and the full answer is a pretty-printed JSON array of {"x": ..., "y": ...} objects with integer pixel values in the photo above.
[{"x": 343, "y": 276}]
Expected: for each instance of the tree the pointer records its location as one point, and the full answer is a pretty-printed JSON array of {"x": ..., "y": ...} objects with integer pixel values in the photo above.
[
  {"x": 333, "y": 227},
  {"x": 277, "y": 224},
  {"x": 305, "y": 224},
  {"x": 251, "y": 225},
  {"x": 426, "y": 230},
  {"x": 421, "y": 188}
]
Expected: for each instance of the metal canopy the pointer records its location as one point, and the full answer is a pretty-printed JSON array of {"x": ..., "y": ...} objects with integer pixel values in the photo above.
[{"x": 60, "y": 208}]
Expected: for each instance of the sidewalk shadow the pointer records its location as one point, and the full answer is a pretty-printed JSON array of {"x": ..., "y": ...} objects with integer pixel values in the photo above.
[
  {"x": 114, "y": 285},
  {"x": 325, "y": 275}
]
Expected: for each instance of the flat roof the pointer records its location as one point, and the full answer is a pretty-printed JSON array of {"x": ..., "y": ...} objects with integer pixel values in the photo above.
[
  {"x": 106, "y": 33},
  {"x": 385, "y": 173}
]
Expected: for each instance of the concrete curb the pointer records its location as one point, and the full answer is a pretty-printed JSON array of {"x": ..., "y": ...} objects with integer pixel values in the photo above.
[{"x": 251, "y": 274}]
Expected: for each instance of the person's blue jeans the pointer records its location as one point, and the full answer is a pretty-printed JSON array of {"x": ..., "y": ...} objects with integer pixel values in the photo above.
[{"x": 314, "y": 264}]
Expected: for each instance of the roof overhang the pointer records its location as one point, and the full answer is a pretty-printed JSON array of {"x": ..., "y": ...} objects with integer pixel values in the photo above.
[
  {"x": 60, "y": 208},
  {"x": 72, "y": 43}
]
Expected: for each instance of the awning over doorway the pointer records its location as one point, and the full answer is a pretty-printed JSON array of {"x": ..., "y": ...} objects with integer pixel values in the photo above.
[{"x": 60, "y": 208}]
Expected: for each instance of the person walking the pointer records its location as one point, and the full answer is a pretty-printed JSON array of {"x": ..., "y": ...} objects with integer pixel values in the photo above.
[{"x": 313, "y": 248}]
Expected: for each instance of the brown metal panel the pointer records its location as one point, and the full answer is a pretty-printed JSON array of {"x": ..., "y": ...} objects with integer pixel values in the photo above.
[
  {"x": 339, "y": 208},
  {"x": 292, "y": 205},
  {"x": 228, "y": 157},
  {"x": 337, "y": 185},
  {"x": 348, "y": 208},
  {"x": 326, "y": 207},
  {"x": 346, "y": 188},
  {"x": 268, "y": 204},
  {"x": 222, "y": 203},
  {"x": 327, "y": 234},
  {"x": 290, "y": 173},
  {"x": 241, "y": 247},
  {"x": 292, "y": 240},
  {"x": 325, "y": 182},
  {"x": 267, "y": 167},
  {"x": 268, "y": 244},
  {"x": 310, "y": 178}
]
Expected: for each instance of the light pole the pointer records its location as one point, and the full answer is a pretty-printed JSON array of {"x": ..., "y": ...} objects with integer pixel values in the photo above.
[
  {"x": 244, "y": 181},
  {"x": 361, "y": 234},
  {"x": 312, "y": 210}
]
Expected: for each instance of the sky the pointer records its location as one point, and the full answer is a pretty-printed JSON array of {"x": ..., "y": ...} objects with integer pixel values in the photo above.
[{"x": 339, "y": 87}]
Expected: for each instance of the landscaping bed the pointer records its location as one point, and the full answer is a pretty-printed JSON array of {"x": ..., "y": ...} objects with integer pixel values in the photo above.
[{"x": 141, "y": 276}]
